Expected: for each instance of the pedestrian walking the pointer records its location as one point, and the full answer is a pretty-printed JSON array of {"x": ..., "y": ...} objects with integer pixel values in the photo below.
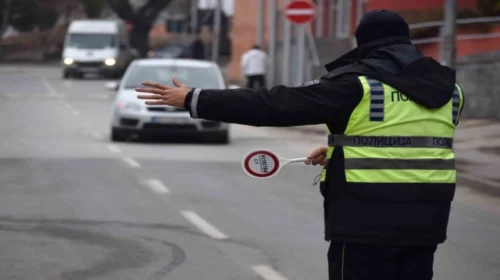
[
  {"x": 198, "y": 48},
  {"x": 253, "y": 65},
  {"x": 389, "y": 172}
]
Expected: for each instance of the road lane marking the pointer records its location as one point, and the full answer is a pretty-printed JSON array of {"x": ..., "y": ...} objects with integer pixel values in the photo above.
[
  {"x": 114, "y": 149},
  {"x": 156, "y": 186},
  {"x": 130, "y": 161},
  {"x": 85, "y": 124},
  {"x": 67, "y": 84},
  {"x": 76, "y": 113},
  {"x": 96, "y": 135},
  {"x": 203, "y": 225},
  {"x": 48, "y": 86},
  {"x": 268, "y": 273},
  {"x": 13, "y": 94}
]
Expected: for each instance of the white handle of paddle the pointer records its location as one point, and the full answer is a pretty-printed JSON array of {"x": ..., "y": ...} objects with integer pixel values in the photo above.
[{"x": 293, "y": 160}]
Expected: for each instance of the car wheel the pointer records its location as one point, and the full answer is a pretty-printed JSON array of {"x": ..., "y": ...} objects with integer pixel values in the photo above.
[
  {"x": 118, "y": 135},
  {"x": 219, "y": 137},
  {"x": 65, "y": 75}
]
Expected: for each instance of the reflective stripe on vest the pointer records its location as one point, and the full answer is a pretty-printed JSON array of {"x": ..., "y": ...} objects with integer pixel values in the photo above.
[
  {"x": 456, "y": 105},
  {"x": 390, "y": 141},
  {"x": 376, "y": 101},
  {"x": 414, "y": 164}
]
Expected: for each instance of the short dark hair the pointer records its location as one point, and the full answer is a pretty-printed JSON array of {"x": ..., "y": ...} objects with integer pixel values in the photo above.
[{"x": 256, "y": 46}]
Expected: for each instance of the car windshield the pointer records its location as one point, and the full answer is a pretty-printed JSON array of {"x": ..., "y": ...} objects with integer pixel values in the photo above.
[
  {"x": 198, "y": 77},
  {"x": 91, "y": 41}
]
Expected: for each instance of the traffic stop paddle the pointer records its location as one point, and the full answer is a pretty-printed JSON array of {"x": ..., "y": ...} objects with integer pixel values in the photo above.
[{"x": 263, "y": 164}]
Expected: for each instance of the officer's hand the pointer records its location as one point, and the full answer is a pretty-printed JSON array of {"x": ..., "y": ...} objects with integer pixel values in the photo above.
[
  {"x": 318, "y": 156},
  {"x": 165, "y": 95}
]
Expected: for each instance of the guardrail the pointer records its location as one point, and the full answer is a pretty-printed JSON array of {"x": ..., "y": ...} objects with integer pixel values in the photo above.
[{"x": 440, "y": 39}]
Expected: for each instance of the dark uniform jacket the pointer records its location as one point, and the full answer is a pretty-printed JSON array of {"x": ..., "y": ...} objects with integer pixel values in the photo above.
[{"x": 349, "y": 216}]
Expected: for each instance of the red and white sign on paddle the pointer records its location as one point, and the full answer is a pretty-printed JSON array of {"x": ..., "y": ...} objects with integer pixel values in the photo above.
[
  {"x": 300, "y": 12},
  {"x": 263, "y": 164}
]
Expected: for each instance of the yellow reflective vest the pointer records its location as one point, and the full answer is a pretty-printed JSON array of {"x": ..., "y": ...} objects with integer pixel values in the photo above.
[{"x": 395, "y": 146}]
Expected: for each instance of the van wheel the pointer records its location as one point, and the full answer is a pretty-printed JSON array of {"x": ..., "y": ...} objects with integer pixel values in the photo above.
[{"x": 65, "y": 75}]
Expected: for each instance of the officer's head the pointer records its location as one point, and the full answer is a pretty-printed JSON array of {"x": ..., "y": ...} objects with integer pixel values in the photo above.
[{"x": 381, "y": 24}]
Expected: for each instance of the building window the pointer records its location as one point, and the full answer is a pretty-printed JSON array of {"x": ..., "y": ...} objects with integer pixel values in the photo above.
[
  {"x": 344, "y": 18},
  {"x": 176, "y": 25}
]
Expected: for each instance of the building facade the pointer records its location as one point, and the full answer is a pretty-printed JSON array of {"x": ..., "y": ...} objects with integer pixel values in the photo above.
[{"x": 337, "y": 20}]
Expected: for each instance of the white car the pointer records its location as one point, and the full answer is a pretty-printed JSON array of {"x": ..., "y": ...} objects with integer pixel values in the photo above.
[{"x": 131, "y": 116}]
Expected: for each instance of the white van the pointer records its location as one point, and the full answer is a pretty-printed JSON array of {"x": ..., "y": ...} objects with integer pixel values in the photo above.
[{"x": 96, "y": 46}]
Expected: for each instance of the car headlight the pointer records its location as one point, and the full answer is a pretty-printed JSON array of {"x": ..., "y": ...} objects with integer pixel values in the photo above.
[
  {"x": 68, "y": 61},
  {"x": 130, "y": 106},
  {"x": 110, "y": 61}
]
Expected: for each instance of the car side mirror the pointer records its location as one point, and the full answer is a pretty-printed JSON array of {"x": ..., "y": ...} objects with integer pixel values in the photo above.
[{"x": 112, "y": 86}]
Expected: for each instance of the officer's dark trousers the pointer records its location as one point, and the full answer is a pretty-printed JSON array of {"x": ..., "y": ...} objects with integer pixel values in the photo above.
[
  {"x": 348, "y": 261},
  {"x": 256, "y": 81}
]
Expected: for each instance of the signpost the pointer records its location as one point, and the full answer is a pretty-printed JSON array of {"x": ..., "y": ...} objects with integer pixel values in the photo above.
[
  {"x": 300, "y": 13},
  {"x": 263, "y": 164}
]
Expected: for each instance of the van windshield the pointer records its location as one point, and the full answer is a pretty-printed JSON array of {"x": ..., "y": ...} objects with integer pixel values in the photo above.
[{"x": 91, "y": 41}]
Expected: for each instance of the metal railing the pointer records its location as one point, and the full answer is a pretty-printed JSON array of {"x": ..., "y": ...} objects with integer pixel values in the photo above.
[
  {"x": 459, "y": 22},
  {"x": 440, "y": 39}
]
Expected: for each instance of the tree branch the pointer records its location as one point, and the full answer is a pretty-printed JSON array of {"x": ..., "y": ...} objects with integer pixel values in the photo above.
[
  {"x": 152, "y": 9},
  {"x": 123, "y": 9}
]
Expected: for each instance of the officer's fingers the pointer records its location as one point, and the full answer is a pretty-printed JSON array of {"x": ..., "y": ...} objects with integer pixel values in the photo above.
[
  {"x": 150, "y": 97},
  {"x": 318, "y": 152},
  {"x": 155, "y": 85},
  {"x": 151, "y": 90},
  {"x": 318, "y": 160},
  {"x": 178, "y": 83},
  {"x": 156, "y": 103}
]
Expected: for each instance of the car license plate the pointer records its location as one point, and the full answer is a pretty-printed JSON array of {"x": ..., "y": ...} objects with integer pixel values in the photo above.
[
  {"x": 169, "y": 120},
  {"x": 90, "y": 70}
]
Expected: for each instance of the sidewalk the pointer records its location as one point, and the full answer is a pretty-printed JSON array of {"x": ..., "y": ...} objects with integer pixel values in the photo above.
[{"x": 477, "y": 148}]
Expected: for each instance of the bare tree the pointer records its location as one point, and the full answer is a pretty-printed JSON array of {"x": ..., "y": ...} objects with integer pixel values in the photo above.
[
  {"x": 5, "y": 17},
  {"x": 141, "y": 19}
]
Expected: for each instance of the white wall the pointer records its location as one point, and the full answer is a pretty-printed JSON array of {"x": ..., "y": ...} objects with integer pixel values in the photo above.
[{"x": 227, "y": 5}]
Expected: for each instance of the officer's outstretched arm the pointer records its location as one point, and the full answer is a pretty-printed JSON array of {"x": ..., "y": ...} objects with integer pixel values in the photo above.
[{"x": 315, "y": 102}]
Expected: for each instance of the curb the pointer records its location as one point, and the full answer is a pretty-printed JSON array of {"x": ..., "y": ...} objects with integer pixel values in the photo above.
[{"x": 318, "y": 130}]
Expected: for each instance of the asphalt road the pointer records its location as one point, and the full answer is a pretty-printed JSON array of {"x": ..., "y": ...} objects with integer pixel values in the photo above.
[{"x": 73, "y": 205}]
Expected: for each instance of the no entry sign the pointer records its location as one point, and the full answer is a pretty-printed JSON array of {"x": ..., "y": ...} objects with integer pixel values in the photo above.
[
  {"x": 300, "y": 12},
  {"x": 263, "y": 164}
]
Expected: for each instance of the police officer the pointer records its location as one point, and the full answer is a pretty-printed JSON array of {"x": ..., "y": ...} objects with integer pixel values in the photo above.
[{"x": 389, "y": 176}]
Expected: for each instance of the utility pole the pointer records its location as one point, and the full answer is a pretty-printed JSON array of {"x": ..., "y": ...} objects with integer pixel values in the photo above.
[
  {"x": 194, "y": 18},
  {"x": 216, "y": 31},
  {"x": 449, "y": 33},
  {"x": 273, "y": 7},
  {"x": 319, "y": 18},
  {"x": 287, "y": 49},
  {"x": 260, "y": 23}
]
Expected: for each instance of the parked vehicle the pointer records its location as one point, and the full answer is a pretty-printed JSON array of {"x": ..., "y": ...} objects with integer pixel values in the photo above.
[
  {"x": 97, "y": 46},
  {"x": 131, "y": 116}
]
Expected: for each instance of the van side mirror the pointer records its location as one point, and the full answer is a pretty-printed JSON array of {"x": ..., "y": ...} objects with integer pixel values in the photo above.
[
  {"x": 123, "y": 46},
  {"x": 112, "y": 86}
]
